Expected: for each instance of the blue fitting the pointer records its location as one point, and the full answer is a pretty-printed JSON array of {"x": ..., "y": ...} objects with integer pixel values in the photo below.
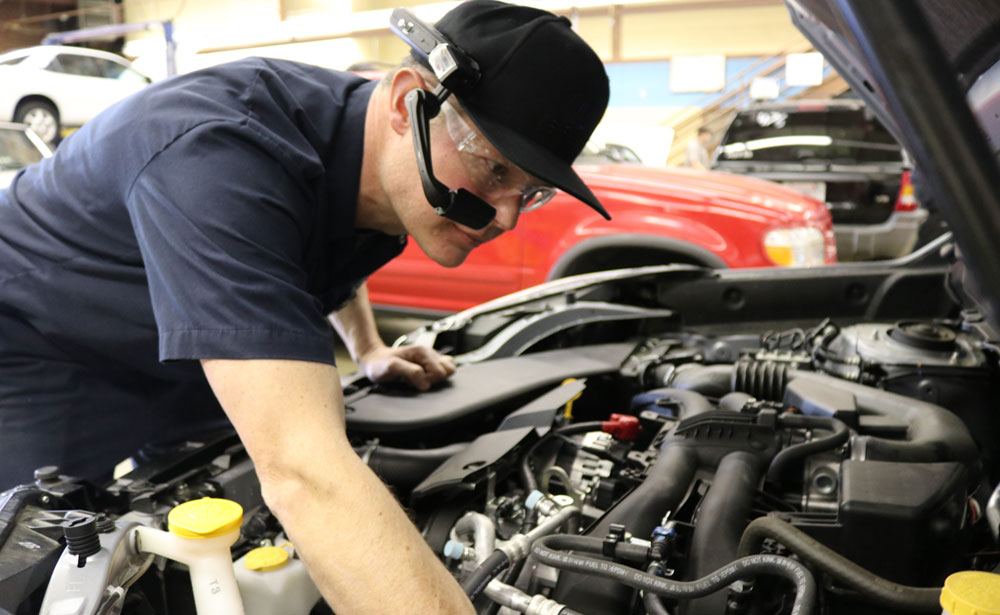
[
  {"x": 533, "y": 498},
  {"x": 662, "y": 533},
  {"x": 453, "y": 549}
]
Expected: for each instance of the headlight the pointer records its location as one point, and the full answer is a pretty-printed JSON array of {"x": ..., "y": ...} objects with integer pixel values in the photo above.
[{"x": 795, "y": 247}]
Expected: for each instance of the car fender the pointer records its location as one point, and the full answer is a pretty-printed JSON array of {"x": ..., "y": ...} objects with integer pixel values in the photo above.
[
  {"x": 669, "y": 245},
  {"x": 26, "y": 98}
]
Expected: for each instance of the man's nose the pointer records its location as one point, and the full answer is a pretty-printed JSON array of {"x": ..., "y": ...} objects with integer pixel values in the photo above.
[{"x": 508, "y": 210}]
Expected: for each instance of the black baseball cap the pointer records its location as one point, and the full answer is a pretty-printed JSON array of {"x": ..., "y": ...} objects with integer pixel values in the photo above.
[{"x": 541, "y": 92}]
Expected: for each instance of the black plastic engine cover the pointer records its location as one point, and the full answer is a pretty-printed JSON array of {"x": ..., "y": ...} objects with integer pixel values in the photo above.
[
  {"x": 901, "y": 520},
  {"x": 492, "y": 454}
]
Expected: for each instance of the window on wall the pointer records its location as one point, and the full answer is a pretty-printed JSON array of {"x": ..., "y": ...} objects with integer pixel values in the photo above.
[{"x": 291, "y": 8}]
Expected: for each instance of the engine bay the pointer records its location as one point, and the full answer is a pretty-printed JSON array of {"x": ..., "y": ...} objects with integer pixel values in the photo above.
[{"x": 604, "y": 449}]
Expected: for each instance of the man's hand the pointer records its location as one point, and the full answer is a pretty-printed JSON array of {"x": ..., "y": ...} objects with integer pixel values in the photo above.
[{"x": 419, "y": 365}]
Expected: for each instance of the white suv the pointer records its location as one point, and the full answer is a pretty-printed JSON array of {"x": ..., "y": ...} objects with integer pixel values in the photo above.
[{"x": 52, "y": 86}]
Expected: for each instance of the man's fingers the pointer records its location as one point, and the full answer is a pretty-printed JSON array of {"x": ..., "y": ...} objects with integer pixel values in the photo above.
[
  {"x": 447, "y": 363},
  {"x": 432, "y": 363},
  {"x": 402, "y": 369},
  {"x": 421, "y": 366}
]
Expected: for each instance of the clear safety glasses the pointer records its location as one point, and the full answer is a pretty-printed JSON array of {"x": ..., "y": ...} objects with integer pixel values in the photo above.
[{"x": 492, "y": 175}]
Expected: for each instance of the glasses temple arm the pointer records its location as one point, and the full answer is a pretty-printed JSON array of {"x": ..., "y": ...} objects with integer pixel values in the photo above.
[{"x": 461, "y": 206}]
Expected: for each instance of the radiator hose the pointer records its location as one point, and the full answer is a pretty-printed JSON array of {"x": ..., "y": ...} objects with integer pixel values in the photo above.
[{"x": 877, "y": 590}]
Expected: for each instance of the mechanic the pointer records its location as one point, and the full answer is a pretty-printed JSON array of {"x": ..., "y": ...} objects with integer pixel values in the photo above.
[{"x": 170, "y": 270}]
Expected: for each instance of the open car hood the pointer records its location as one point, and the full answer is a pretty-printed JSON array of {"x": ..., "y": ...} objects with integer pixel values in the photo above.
[{"x": 929, "y": 71}]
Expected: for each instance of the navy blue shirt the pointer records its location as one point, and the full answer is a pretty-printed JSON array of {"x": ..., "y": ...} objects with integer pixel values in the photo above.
[{"x": 209, "y": 216}]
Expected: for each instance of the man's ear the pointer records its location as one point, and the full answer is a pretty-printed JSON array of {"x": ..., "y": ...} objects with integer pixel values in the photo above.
[{"x": 403, "y": 81}]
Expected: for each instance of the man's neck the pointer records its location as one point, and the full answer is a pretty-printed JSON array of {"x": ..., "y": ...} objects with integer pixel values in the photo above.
[{"x": 374, "y": 210}]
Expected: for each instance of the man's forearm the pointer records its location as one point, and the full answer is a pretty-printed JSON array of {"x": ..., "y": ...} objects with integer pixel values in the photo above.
[
  {"x": 362, "y": 550},
  {"x": 358, "y": 544},
  {"x": 355, "y": 324}
]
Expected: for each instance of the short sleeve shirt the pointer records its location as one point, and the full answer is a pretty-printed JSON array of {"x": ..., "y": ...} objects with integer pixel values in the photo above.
[{"x": 209, "y": 216}]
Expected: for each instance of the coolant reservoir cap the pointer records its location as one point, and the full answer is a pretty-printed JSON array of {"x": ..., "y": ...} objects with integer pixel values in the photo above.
[
  {"x": 971, "y": 592},
  {"x": 205, "y": 518},
  {"x": 263, "y": 559}
]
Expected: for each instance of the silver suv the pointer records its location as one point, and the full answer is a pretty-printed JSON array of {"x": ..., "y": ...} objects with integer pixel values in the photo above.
[{"x": 838, "y": 153}]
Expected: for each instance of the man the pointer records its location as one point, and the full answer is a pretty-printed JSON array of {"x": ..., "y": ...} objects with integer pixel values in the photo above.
[
  {"x": 178, "y": 255},
  {"x": 696, "y": 155}
]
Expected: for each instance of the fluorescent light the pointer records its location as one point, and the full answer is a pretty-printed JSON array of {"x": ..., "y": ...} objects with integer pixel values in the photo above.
[{"x": 756, "y": 144}]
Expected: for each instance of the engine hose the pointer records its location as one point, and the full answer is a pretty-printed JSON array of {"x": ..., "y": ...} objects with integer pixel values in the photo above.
[
  {"x": 488, "y": 570},
  {"x": 404, "y": 467},
  {"x": 933, "y": 433},
  {"x": 640, "y": 511},
  {"x": 652, "y": 602},
  {"x": 871, "y": 587},
  {"x": 528, "y": 478},
  {"x": 791, "y": 454},
  {"x": 711, "y": 380},
  {"x": 762, "y": 379},
  {"x": 552, "y": 550},
  {"x": 692, "y": 402},
  {"x": 722, "y": 517}
]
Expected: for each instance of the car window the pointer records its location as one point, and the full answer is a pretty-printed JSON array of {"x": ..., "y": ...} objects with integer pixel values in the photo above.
[
  {"x": 16, "y": 150},
  {"x": 596, "y": 153},
  {"x": 844, "y": 136},
  {"x": 11, "y": 61},
  {"x": 109, "y": 69},
  {"x": 132, "y": 76},
  {"x": 75, "y": 65}
]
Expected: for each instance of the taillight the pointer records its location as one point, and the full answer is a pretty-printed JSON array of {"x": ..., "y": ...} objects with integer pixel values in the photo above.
[{"x": 906, "y": 201}]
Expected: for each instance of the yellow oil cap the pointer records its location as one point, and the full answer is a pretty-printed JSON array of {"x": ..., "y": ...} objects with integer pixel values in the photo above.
[
  {"x": 205, "y": 518},
  {"x": 971, "y": 592},
  {"x": 263, "y": 559}
]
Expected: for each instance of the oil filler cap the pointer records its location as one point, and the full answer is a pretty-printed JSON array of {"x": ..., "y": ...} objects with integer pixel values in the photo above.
[
  {"x": 971, "y": 592},
  {"x": 205, "y": 518}
]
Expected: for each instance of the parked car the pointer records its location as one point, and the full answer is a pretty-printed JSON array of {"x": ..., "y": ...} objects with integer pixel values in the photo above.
[
  {"x": 659, "y": 216},
  {"x": 52, "y": 87},
  {"x": 19, "y": 147},
  {"x": 838, "y": 152}
]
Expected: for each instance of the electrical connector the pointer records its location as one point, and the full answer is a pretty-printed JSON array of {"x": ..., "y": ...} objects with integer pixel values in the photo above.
[{"x": 622, "y": 426}]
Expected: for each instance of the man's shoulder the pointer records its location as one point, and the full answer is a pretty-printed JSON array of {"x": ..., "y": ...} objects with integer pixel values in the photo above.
[{"x": 253, "y": 68}]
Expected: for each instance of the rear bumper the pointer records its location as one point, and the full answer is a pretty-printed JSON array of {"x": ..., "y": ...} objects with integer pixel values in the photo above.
[{"x": 890, "y": 239}]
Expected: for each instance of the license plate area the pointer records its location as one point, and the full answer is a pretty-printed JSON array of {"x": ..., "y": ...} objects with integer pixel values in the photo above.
[{"x": 816, "y": 190}]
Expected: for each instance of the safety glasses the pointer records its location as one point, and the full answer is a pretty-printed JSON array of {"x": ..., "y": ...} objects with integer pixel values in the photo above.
[{"x": 491, "y": 174}]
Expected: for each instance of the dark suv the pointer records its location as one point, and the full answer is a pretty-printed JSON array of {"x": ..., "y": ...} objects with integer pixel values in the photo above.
[{"x": 837, "y": 152}]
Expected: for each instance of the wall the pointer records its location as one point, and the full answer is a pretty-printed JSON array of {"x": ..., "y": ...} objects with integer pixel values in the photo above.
[
  {"x": 210, "y": 31},
  {"x": 635, "y": 39}
]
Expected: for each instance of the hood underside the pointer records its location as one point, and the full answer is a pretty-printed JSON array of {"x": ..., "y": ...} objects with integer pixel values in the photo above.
[{"x": 917, "y": 64}]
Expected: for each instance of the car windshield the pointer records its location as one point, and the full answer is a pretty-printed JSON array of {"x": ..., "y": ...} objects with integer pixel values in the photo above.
[
  {"x": 16, "y": 150},
  {"x": 843, "y": 136}
]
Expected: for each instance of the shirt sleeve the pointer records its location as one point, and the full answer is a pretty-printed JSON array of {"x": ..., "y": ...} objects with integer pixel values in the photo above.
[{"x": 222, "y": 227}]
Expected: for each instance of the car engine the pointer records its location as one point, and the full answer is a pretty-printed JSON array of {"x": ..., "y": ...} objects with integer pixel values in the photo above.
[{"x": 660, "y": 440}]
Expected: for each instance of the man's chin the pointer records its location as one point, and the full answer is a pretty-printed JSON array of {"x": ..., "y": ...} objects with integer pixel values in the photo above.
[{"x": 450, "y": 259}]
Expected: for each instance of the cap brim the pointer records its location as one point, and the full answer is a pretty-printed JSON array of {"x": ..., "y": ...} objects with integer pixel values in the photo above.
[{"x": 535, "y": 159}]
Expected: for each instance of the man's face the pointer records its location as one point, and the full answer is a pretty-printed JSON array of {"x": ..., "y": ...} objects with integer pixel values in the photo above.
[{"x": 463, "y": 158}]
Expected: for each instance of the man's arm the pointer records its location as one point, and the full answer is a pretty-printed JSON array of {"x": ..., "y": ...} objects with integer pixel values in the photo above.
[
  {"x": 360, "y": 547},
  {"x": 420, "y": 365}
]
